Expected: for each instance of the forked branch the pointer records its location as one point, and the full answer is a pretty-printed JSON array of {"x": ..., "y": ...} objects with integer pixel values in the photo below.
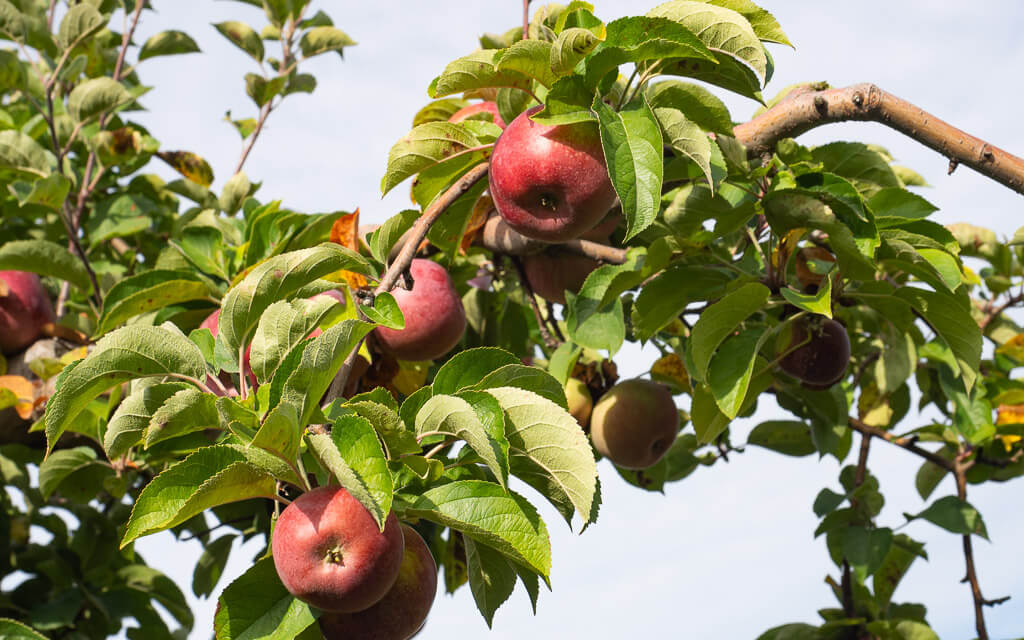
[{"x": 806, "y": 110}]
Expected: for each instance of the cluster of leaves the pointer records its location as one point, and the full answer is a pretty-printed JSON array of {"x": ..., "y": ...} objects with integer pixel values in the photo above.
[{"x": 163, "y": 445}]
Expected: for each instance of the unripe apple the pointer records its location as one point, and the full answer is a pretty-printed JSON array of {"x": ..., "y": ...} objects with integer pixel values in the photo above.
[
  {"x": 550, "y": 182},
  {"x": 817, "y": 351},
  {"x": 403, "y": 610},
  {"x": 580, "y": 403},
  {"x": 330, "y": 553},
  {"x": 434, "y": 317},
  {"x": 635, "y": 423},
  {"x": 480, "y": 107},
  {"x": 552, "y": 272},
  {"x": 23, "y": 310}
]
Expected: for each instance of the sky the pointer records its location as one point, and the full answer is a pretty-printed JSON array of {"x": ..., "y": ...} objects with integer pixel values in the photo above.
[{"x": 728, "y": 552}]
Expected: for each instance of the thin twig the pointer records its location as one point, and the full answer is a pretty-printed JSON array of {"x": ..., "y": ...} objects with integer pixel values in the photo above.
[
  {"x": 993, "y": 312},
  {"x": 866, "y": 102},
  {"x": 549, "y": 340},
  {"x": 264, "y": 112},
  {"x": 905, "y": 443},
  {"x": 960, "y": 473},
  {"x": 526, "y": 19},
  {"x": 550, "y": 308}
]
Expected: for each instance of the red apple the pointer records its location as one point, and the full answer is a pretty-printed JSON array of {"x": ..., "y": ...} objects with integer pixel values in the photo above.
[
  {"x": 402, "y": 611},
  {"x": 479, "y": 107},
  {"x": 635, "y": 423},
  {"x": 434, "y": 317},
  {"x": 817, "y": 351},
  {"x": 330, "y": 553},
  {"x": 550, "y": 182},
  {"x": 23, "y": 310}
]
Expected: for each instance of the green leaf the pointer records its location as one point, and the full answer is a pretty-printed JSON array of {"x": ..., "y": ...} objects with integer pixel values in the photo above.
[
  {"x": 491, "y": 578},
  {"x": 708, "y": 420},
  {"x": 322, "y": 39},
  {"x": 549, "y": 444},
  {"x": 423, "y": 147},
  {"x": 12, "y": 21},
  {"x": 763, "y": 23},
  {"x": 96, "y": 96},
  {"x": 130, "y": 420},
  {"x": 478, "y": 70},
  {"x": 532, "y": 58},
  {"x": 723, "y": 30},
  {"x": 49, "y": 192},
  {"x": 125, "y": 354},
  {"x": 12, "y": 629},
  {"x": 486, "y": 513},
  {"x": 632, "y": 144},
  {"x": 643, "y": 39},
  {"x": 666, "y": 295},
  {"x": 147, "y": 291},
  {"x": 686, "y": 138},
  {"x": 568, "y": 102},
  {"x": 23, "y": 157},
  {"x": 168, "y": 43},
  {"x": 283, "y": 325},
  {"x": 898, "y": 202},
  {"x": 257, "y": 606},
  {"x": 731, "y": 368},
  {"x": 210, "y": 565},
  {"x": 531, "y": 379},
  {"x": 262, "y": 90},
  {"x": 887, "y": 577},
  {"x": 382, "y": 240},
  {"x": 794, "y": 631},
  {"x": 571, "y": 46},
  {"x": 279, "y": 278},
  {"x": 45, "y": 258},
  {"x": 697, "y": 103},
  {"x": 819, "y": 302},
  {"x": 187, "y": 411},
  {"x": 80, "y": 22},
  {"x": 439, "y": 110},
  {"x": 467, "y": 368},
  {"x": 385, "y": 312},
  {"x": 789, "y": 437},
  {"x": 353, "y": 455},
  {"x": 954, "y": 515},
  {"x": 865, "y": 549},
  {"x": 210, "y": 477},
  {"x": 859, "y": 163},
  {"x": 322, "y": 357},
  {"x": 242, "y": 36},
  {"x": 60, "y": 465},
  {"x": 954, "y": 326},
  {"x": 721, "y": 319},
  {"x": 158, "y": 586},
  {"x": 479, "y": 425}
]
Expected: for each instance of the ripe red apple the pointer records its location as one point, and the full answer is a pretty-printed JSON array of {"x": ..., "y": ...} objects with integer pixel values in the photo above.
[
  {"x": 817, "y": 351},
  {"x": 479, "y": 107},
  {"x": 550, "y": 182},
  {"x": 434, "y": 317},
  {"x": 635, "y": 423},
  {"x": 23, "y": 310},
  {"x": 330, "y": 553},
  {"x": 402, "y": 611}
]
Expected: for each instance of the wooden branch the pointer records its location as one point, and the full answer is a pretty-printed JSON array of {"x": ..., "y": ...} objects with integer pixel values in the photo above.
[
  {"x": 401, "y": 264},
  {"x": 597, "y": 251},
  {"x": 549, "y": 340},
  {"x": 498, "y": 236},
  {"x": 960, "y": 473},
  {"x": 808, "y": 110},
  {"x": 905, "y": 443}
]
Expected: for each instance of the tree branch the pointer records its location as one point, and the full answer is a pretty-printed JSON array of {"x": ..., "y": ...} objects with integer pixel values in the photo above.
[
  {"x": 960, "y": 473},
  {"x": 905, "y": 443},
  {"x": 498, "y": 236},
  {"x": 401, "y": 263},
  {"x": 549, "y": 340},
  {"x": 866, "y": 102}
]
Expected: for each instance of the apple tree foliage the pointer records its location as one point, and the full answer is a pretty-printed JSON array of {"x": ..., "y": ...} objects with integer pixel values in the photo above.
[{"x": 134, "y": 440}]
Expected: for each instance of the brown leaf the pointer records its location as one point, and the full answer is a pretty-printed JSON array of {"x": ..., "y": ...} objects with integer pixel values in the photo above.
[
  {"x": 481, "y": 210},
  {"x": 345, "y": 231},
  {"x": 190, "y": 165}
]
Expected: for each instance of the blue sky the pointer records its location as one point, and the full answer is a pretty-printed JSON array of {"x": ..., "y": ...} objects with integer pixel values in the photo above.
[{"x": 728, "y": 552}]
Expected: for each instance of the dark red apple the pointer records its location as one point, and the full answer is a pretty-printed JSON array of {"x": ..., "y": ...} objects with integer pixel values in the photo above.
[
  {"x": 550, "y": 182},
  {"x": 402, "y": 611},
  {"x": 434, "y": 317},
  {"x": 330, "y": 553},
  {"x": 479, "y": 107},
  {"x": 816, "y": 351},
  {"x": 635, "y": 423},
  {"x": 24, "y": 309}
]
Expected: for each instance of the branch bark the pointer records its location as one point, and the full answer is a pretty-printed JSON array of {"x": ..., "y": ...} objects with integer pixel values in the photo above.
[
  {"x": 808, "y": 110},
  {"x": 549, "y": 340},
  {"x": 960, "y": 472},
  {"x": 905, "y": 443}
]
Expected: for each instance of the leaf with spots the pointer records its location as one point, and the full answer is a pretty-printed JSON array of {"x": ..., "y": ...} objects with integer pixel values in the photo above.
[{"x": 423, "y": 147}]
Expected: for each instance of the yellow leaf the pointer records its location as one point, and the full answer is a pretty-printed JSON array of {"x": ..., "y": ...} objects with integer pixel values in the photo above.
[
  {"x": 345, "y": 231},
  {"x": 190, "y": 165},
  {"x": 23, "y": 391},
  {"x": 671, "y": 370}
]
